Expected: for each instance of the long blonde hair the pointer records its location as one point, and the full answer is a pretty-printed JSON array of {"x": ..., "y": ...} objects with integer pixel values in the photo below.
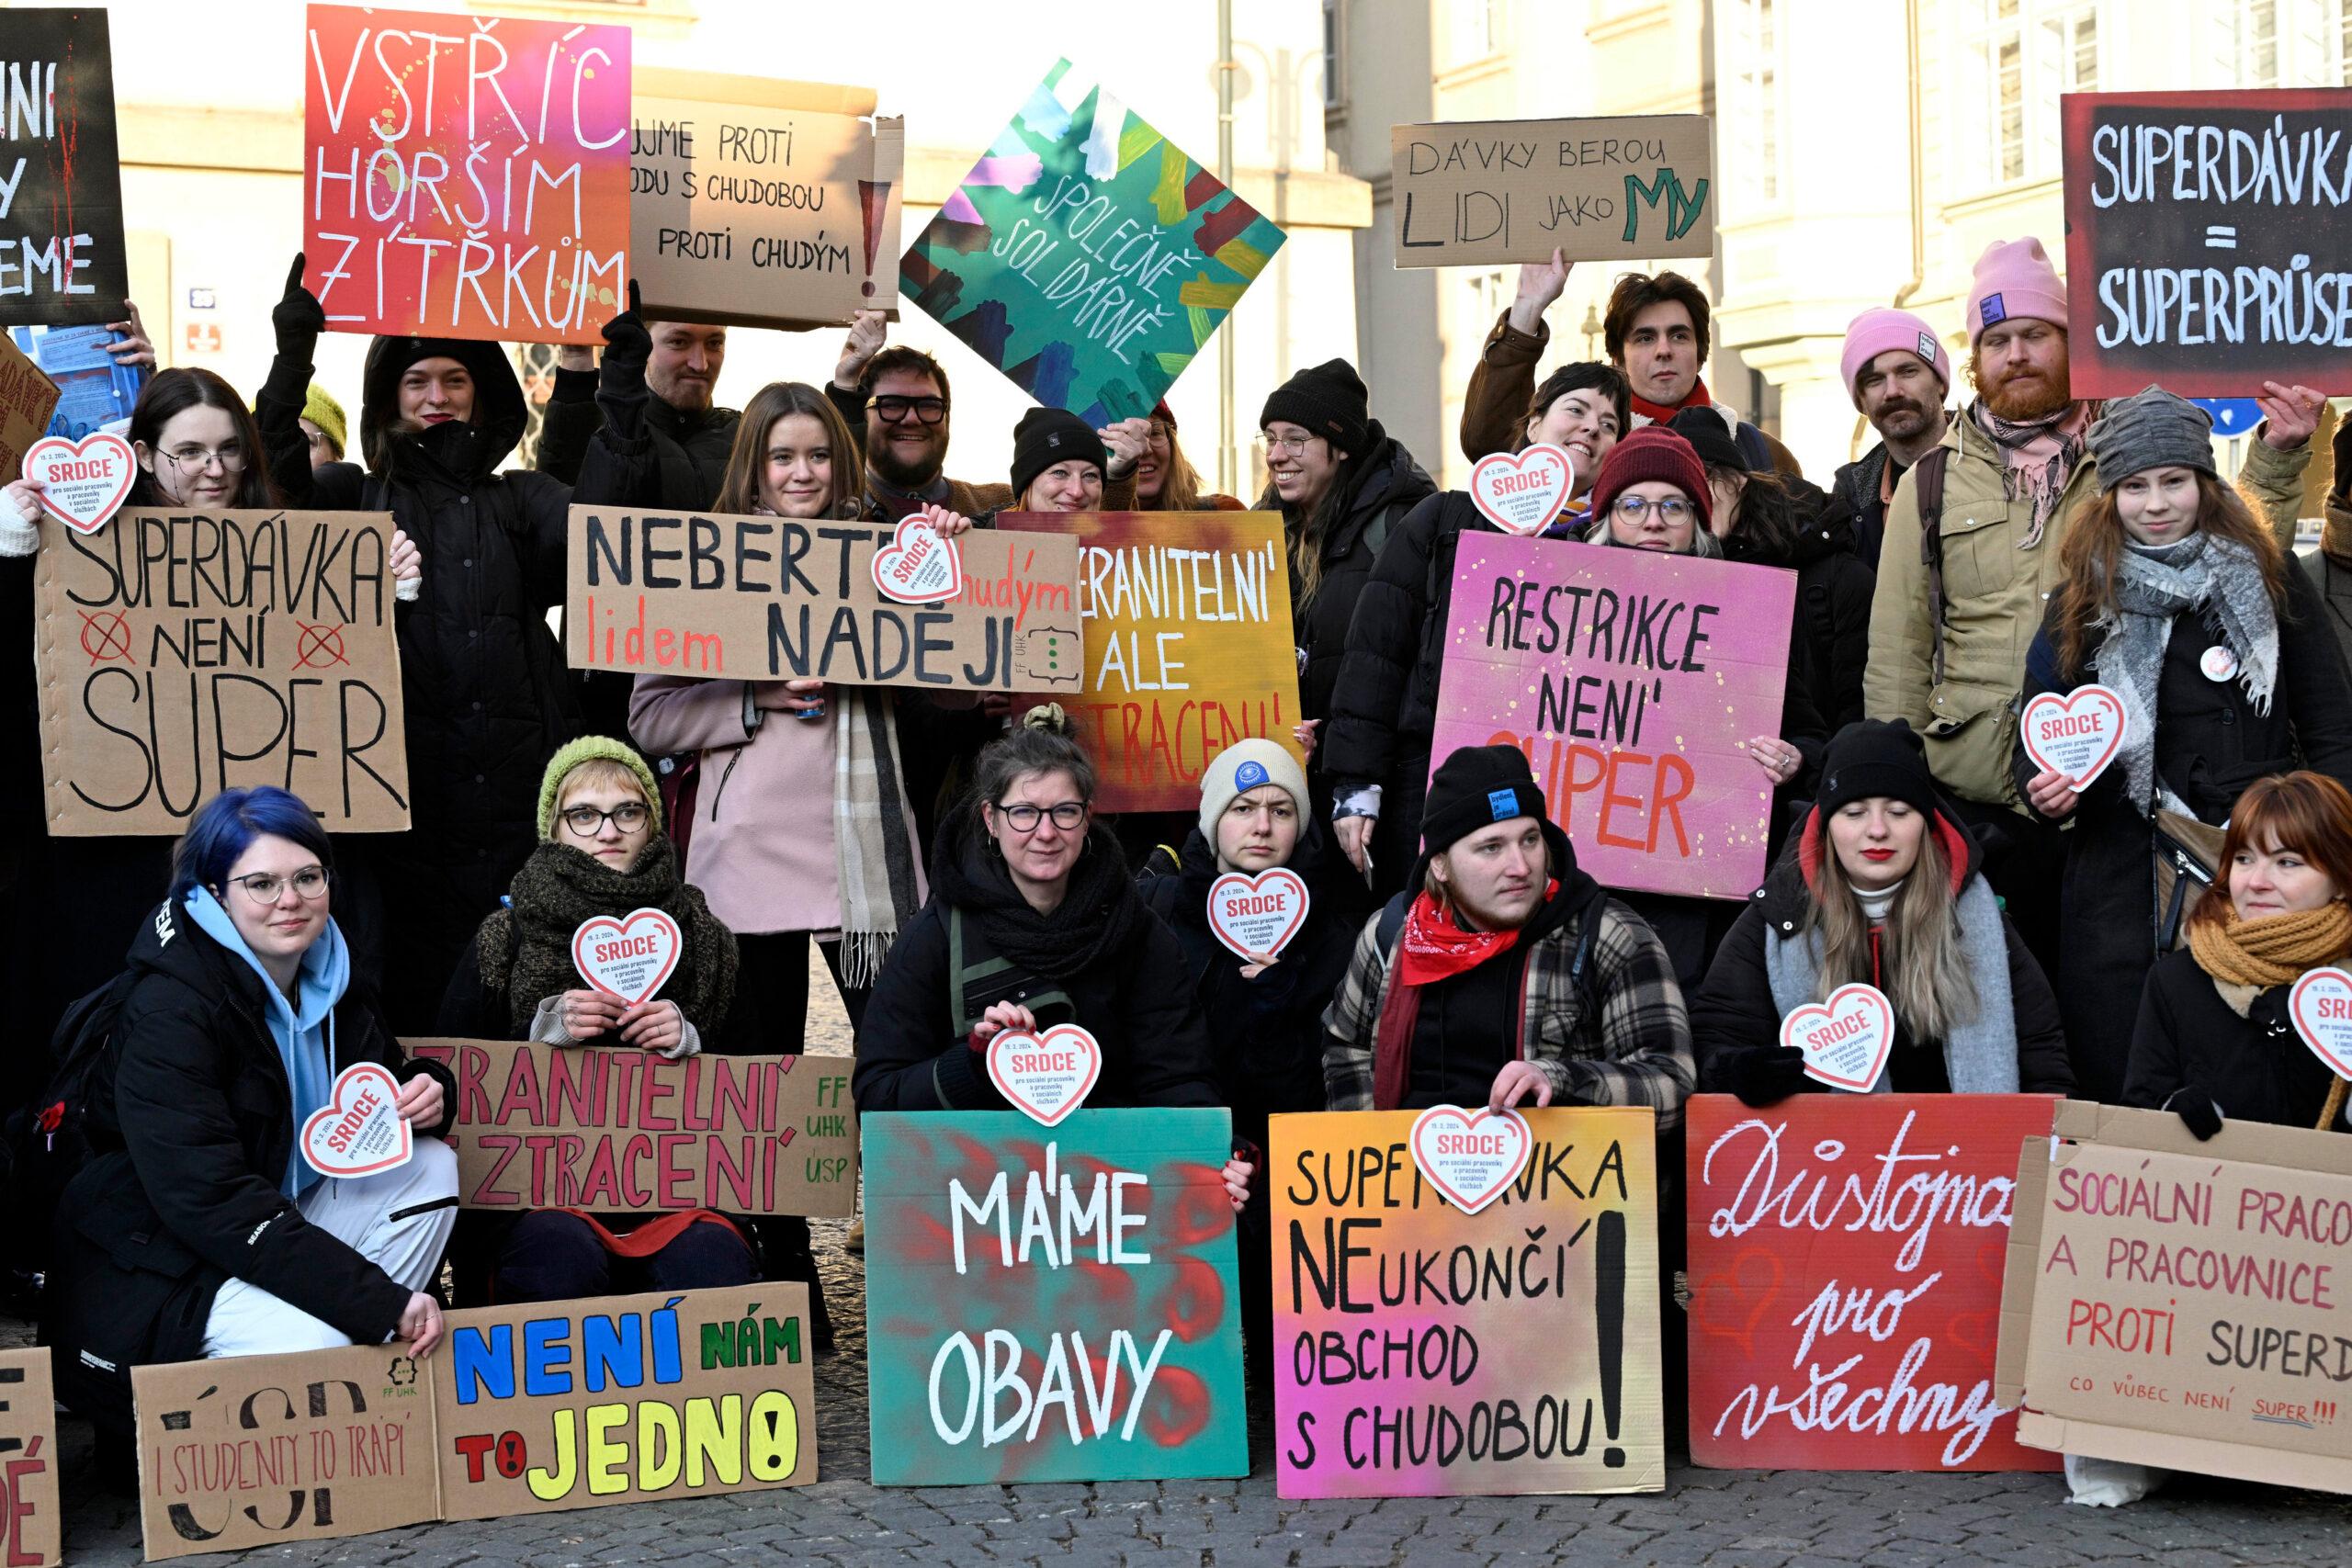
[{"x": 1920, "y": 949}]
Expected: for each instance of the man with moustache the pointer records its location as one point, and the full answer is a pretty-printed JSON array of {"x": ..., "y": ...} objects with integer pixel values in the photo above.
[
  {"x": 1956, "y": 609},
  {"x": 1898, "y": 375}
]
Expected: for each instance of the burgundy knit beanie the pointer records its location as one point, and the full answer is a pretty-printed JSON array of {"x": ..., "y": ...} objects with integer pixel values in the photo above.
[{"x": 1650, "y": 452}]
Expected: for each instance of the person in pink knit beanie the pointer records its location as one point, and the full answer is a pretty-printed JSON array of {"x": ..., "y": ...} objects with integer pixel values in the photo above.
[{"x": 1898, "y": 375}]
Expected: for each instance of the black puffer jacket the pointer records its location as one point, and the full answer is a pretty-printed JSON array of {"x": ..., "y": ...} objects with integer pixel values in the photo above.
[
  {"x": 2254, "y": 1067},
  {"x": 1387, "y": 486},
  {"x": 191, "y": 1123},
  {"x": 1834, "y": 589}
]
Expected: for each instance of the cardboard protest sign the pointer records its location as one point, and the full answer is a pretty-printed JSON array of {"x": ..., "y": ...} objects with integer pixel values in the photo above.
[
  {"x": 1633, "y": 681},
  {"x": 466, "y": 176},
  {"x": 1629, "y": 187},
  {"x": 763, "y": 202},
  {"x": 1051, "y": 1305},
  {"x": 254, "y": 1451},
  {"x": 2177, "y": 1304},
  {"x": 1085, "y": 256},
  {"x": 28, "y": 399},
  {"x": 777, "y": 598},
  {"x": 182, "y": 653},
  {"x": 2206, "y": 240},
  {"x": 622, "y": 1131},
  {"x": 1420, "y": 1351},
  {"x": 31, "y": 1531},
  {"x": 627, "y": 1399},
  {"x": 62, "y": 261},
  {"x": 1844, "y": 1268},
  {"x": 1189, "y": 646}
]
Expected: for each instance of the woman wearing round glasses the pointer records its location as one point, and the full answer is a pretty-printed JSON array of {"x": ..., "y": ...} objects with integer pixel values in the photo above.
[
  {"x": 602, "y": 853},
  {"x": 197, "y": 1229}
]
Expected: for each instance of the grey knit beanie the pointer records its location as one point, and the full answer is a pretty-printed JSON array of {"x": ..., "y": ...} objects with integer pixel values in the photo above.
[{"x": 2150, "y": 429}]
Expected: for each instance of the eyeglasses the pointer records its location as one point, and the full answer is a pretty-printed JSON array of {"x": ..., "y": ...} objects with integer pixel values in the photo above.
[
  {"x": 196, "y": 459},
  {"x": 894, "y": 410},
  {"x": 1159, "y": 435},
  {"x": 1293, "y": 444},
  {"x": 1670, "y": 510},
  {"x": 586, "y": 821},
  {"x": 1023, "y": 819},
  {"x": 267, "y": 887}
]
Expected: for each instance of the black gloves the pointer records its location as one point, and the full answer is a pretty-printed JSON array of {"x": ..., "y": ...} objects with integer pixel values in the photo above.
[
  {"x": 628, "y": 348},
  {"x": 2196, "y": 1110},
  {"x": 1765, "y": 1075},
  {"x": 298, "y": 318}
]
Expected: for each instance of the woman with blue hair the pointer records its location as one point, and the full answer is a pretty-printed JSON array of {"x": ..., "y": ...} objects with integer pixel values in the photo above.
[{"x": 197, "y": 1229}]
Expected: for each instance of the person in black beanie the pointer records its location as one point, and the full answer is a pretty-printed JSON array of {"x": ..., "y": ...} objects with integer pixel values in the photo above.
[
  {"x": 1342, "y": 485},
  {"x": 1059, "y": 463},
  {"x": 1503, "y": 973},
  {"x": 1880, "y": 885}
]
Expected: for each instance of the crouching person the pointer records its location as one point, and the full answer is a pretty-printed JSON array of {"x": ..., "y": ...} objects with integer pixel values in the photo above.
[{"x": 197, "y": 1229}]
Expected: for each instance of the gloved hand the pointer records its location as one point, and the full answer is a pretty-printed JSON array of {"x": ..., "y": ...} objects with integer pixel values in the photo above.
[
  {"x": 2197, "y": 1111},
  {"x": 1766, "y": 1076},
  {"x": 628, "y": 348},
  {"x": 298, "y": 318}
]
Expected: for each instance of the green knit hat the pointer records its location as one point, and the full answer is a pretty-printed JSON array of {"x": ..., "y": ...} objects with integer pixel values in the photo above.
[{"x": 589, "y": 748}]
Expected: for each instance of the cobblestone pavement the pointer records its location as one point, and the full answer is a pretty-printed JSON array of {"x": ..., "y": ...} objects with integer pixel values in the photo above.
[{"x": 1718, "y": 1518}]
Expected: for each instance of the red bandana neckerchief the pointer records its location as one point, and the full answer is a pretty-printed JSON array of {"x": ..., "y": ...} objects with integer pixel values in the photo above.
[
  {"x": 1429, "y": 948},
  {"x": 1658, "y": 413}
]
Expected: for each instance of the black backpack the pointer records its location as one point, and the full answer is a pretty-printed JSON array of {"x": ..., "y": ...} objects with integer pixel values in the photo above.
[{"x": 48, "y": 1141}]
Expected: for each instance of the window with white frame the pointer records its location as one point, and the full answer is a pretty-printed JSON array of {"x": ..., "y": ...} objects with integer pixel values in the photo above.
[
  {"x": 1754, "y": 69},
  {"x": 2258, "y": 44},
  {"x": 2021, "y": 54},
  {"x": 1486, "y": 295},
  {"x": 1332, "y": 98},
  {"x": 2289, "y": 43},
  {"x": 1473, "y": 31}
]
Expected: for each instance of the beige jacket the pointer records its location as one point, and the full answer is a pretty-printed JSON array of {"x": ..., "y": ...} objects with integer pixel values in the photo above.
[{"x": 1994, "y": 595}]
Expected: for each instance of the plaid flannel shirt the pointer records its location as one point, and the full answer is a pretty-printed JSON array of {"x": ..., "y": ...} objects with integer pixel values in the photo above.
[{"x": 1637, "y": 1052}]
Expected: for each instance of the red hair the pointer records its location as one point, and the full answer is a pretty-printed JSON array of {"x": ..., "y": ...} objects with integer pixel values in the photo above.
[{"x": 2307, "y": 812}]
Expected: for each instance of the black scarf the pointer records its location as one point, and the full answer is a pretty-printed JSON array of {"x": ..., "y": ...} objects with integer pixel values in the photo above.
[{"x": 1097, "y": 914}]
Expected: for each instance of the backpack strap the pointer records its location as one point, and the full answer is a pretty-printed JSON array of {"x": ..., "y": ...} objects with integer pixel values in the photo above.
[
  {"x": 1929, "y": 477},
  {"x": 1392, "y": 920},
  {"x": 972, "y": 971}
]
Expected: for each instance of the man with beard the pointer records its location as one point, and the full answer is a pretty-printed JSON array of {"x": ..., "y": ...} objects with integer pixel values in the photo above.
[
  {"x": 1898, "y": 375},
  {"x": 1957, "y": 608},
  {"x": 690, "y": 438}
]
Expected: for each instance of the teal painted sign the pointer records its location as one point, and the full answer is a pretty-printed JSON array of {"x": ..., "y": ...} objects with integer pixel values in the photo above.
[
  {"x": 1051, "y": 1305},
  {"x": 1085, "y": 256}
]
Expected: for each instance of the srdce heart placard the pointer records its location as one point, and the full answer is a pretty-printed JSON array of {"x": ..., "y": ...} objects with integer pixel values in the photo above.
[
  {"x": 1258, "y": 914},
  {"x": 918, "y": 566},
  {"x": 2321, "y": 1006},
  {"x": 1845, "y": 1040},
  {"x": 86, "y": 481},
  {"x": 1045, "y": 1076},
  {"x": 628, "y": 958},
  {"x": 2078, "y": 734},
  {"x": 360, "y": 1132},
  {"x": 1471, "y": 1157},
  {"x": 1522, "y": 491}
]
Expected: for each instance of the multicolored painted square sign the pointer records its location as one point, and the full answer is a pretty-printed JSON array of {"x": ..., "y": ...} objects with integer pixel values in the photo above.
[
  {"x": 1423, "y": 1352},
  {"x": 1631, "y": 680},
  {"x": 1085, "y": 256},
  {"x": 1051, "y": 1306}
]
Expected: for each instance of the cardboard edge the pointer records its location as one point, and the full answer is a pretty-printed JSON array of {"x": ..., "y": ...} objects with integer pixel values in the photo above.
[
  {"x": 2238, "y": 1142},
  {"x": 2205, "y": 1456},
  {"x": 2020, "y": 1258},
  {"x": 717, "y": 88}
]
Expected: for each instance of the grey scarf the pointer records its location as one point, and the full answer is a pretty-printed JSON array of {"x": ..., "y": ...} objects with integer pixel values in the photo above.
[
  {"x": 2219, "y": 578},
  {"x": 1981, "y": 1052}
]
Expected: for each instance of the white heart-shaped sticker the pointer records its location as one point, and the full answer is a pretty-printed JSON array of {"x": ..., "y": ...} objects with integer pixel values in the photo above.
[
  {"x": 1045, "y": 1076},
  {"x": 1258, "y": 914},
  {"x": 2321, "y": 1006},
  {"x": 2078, "y": 734},
  {"x": 85, "y": 482},
  {"x": 1471, "y": 1157},
  {"x": 628, "y": 958},
  {"x": 360, "y": 1132},
  {"x": 1845, "y": 1040},
  {"x": 1522, "y": 491},
  {"x": 918, "y": 566}
]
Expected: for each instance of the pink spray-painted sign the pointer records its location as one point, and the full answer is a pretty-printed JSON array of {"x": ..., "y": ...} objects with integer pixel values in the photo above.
[{"x": 1631, "y": 680}]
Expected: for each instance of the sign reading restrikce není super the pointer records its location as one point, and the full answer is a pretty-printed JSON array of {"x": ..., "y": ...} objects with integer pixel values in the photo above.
[
  {"x": 466, "y": 176},
  {"x": 1629, "y": 187},
  {"x": 1633, "y": 681},
  {"x": 1085, "y": 256},
  {"x": 778, "y": 598},
  {"x": 1423, "y": 1351},
  {"x": 1846, "y": 1259},
  {"x": 2209, "y": 241},
  {"x": 1051, "y": 1303},
  {"x": 61, "y": 256},
  {"x": 182, "y": 653}
]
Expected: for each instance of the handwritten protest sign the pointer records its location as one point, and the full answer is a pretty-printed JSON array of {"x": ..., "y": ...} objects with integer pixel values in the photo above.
[
  {"x": 62, "y": 255},
  {"x": 466, "y": 176},
  {"x": 776, "y": 598},
  {"x": 31, "y": 1530},
  {"x": 28, "y": 399},
  {"x": 2181, "y": 1303},
  {"x": 1189, "y": 645},
  {"x": 2207, "y": 238},
  {"x": 1625, "y": 188},
  {"x": 1051, "y": 1305},
  {"x": 623, "y": 1131},
  {"x": 1630, "y": 679},
  {"x": 1085, "y": 256},
  {"x": 1419, "y": 1352},
  {"x": 760, "y": 201},
  {"x": 256, "y": 1450},
  {"x": 182, "y": 653},
  {"x": 1844, "y": 1268}
]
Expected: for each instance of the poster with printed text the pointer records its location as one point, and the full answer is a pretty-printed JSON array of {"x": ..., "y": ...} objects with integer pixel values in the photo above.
[
  {"x": 1051, "y": 1305},
  {"x": 466, "y": 176},
  {"x": 1845, "y": 1266},
  {"x": 62, "y": 260},
  {"x": 1633, "y": 681},
  {"x": 1086, "y": 255},
  {"x": 1189, "y": 646}
]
